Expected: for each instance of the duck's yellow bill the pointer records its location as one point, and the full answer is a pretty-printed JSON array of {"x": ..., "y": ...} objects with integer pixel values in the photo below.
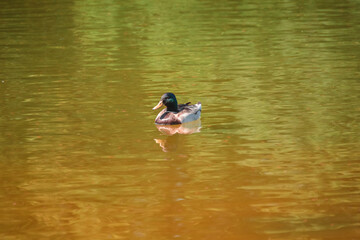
[{"x": 160, "y": 104}]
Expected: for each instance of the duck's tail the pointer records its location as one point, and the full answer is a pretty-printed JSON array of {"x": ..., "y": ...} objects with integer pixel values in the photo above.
[{"x": 199, "y": 105}]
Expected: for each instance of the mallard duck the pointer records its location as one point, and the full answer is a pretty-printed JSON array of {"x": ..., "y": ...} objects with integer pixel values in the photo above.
[{"x": 174, "y": 113}]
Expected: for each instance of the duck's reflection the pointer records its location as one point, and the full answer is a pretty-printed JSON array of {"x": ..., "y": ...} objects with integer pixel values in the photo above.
[{"x": 173, "y": 140}]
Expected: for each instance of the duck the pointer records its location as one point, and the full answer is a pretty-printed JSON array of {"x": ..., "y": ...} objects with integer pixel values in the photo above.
[{"x": 175, "y": 113}]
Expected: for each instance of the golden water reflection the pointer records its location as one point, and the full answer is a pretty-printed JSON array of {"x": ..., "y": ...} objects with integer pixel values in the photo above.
[
  {"x": 186, "y": 128},
  {"x": 173, "y": 141}
]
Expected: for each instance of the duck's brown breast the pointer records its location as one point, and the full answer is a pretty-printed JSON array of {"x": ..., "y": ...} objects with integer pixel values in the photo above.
[{"x": 167, "y": 118}]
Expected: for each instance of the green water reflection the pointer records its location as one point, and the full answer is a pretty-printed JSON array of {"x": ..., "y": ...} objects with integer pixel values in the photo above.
[{"x": 275, "y": 156}]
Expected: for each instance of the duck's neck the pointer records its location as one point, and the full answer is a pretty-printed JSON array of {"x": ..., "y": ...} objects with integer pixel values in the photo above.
[
  {"x": 172, "y": 109},
  {"x": 172, "y": 105}
]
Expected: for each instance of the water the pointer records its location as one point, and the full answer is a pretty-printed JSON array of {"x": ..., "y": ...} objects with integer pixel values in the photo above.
[{"x": 275, "y": 155}]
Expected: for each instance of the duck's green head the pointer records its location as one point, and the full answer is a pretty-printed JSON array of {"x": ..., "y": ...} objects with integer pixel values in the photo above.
[{"x": 169, "y": 100}]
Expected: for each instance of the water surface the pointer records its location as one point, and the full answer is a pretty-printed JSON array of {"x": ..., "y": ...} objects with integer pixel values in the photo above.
[{"x": 275, "y": 155}]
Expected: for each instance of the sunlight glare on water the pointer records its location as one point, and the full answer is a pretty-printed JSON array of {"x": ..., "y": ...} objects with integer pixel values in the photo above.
[{"x": 274, "y": 156}]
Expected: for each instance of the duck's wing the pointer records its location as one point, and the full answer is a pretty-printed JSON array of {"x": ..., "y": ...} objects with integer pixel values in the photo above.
[{"x": 188, "y": 113}]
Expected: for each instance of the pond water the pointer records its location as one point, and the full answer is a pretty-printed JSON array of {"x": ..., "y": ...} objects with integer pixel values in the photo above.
[{"x": 274, "y": 156}]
